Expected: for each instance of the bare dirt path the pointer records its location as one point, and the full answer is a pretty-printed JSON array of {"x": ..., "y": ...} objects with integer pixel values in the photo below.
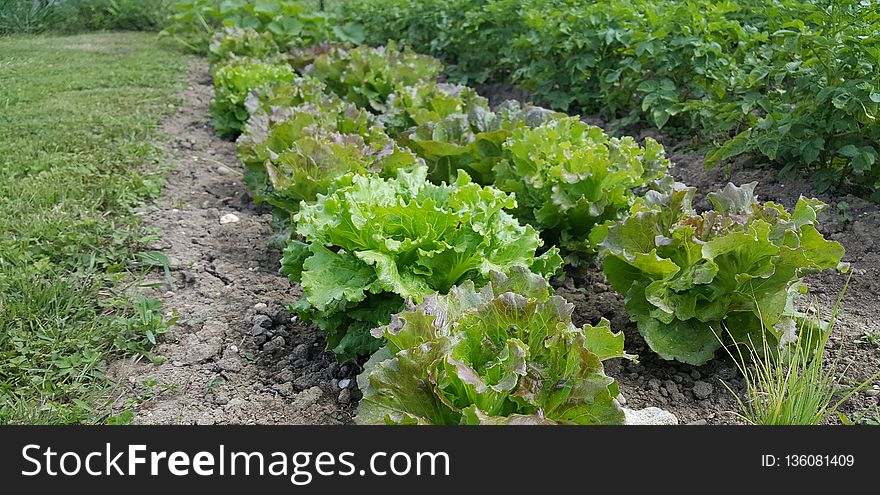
[{"x": 235, "y": 356}]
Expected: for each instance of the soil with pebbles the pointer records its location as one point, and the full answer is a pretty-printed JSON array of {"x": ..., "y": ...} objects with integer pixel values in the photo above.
[{"x": 236, "y": 355}]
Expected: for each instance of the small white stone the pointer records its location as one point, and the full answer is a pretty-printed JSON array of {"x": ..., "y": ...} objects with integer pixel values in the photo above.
[
  {"x": 228, "y": 218},
  {"x": 224, "y": 170},
  {"x": 260, "y": 306},
  {"x": 344, "y": 383},
  {"x": 649, "y": 416}
]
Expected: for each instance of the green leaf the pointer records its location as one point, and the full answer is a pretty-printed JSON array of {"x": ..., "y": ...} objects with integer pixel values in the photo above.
[{"x": 329, "y": 278}]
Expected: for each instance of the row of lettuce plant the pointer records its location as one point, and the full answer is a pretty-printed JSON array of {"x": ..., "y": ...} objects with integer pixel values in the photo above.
[{"x": 403, "y": 198}]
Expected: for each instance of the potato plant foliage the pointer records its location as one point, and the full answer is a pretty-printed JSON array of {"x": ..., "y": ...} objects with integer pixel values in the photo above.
[
  {"x": 506, "y": 353},
  {"x": 796, "y": 81}
]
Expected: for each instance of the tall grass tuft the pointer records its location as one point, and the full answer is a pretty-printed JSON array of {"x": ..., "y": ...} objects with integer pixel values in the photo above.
[
  {"x": 793, "y": 385},
  {"x": 27, "y": 16}
]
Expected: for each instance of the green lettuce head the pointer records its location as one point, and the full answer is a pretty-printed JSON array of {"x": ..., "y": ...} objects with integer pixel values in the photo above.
[
  {"x": 689, "y": 279},
  {"x": 372, "y": 242}
]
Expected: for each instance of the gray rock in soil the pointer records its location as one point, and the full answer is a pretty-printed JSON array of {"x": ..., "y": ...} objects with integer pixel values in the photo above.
[
  {"x": 203, "y": 345},
  {"x": 230, "y": 364},
  {"x": 299, "y": 352},
  {"x": 229, "y": 218},
  {"x": 274, "y": 345},
  {"x": 307, "y": 397},
  {"x": 304, "y": 382},
  {"x": 702, "y": 390},
  {"x": 699, "y": 422},
  {"x": 649, "y": 416},
  {"x": 285, "y": 389},
  {"x": 286, "y": 375},
  {"x": 261, "y": 320},
  {"x": 345, "y": 396},
  {"x": 670, "y": 387}
]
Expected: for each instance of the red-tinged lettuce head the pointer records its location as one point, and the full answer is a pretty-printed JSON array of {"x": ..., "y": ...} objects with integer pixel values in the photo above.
[{"x": 507, "y": 353}]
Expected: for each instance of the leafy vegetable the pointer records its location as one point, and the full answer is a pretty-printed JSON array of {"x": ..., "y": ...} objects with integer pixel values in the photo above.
[
  {"x": 569, "y": 177},
  {"x": 312, "y": 165},
  {"x": 237, "y": 42},
  {"x": 686, "y": 276},
  {"x": 232, "y": 83},
  {"x": 367, "y": 76},
  {"x": 504, "y": 354},
  {"x": 470, "y": 141},
  {"x": 273, "y": 130},
  {"x": 289, "y": 22},
  {"x": 429, "y": 101},
  {"x": 371, "y": 243}
]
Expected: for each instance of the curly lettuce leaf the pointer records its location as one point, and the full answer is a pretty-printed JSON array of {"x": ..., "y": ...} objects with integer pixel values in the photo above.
[
  {"x": 691, "y": 281},
  {"x": 507, "y": 353},
  {"x": 367, "y": 76},
  {"x": 569, "y": 177},
  {"x": 233, "y": 81},
  {"x": 404, "y": 237}
]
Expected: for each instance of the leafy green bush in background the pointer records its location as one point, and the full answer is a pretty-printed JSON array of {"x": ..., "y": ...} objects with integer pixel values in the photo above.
[
  {"x": 469, "y": 35},
  {"x": 30, "y": 16},
  {"x": 291, "y": 23},
  {"x": 504, "y": 354},
  {"x": 372, "y": 243},
  {"x": 26, "y": 17},
  {"x": 688, "y": 277}
]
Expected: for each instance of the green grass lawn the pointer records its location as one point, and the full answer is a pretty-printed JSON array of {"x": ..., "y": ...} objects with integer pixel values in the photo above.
[{"x": 78, "y": 115}]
